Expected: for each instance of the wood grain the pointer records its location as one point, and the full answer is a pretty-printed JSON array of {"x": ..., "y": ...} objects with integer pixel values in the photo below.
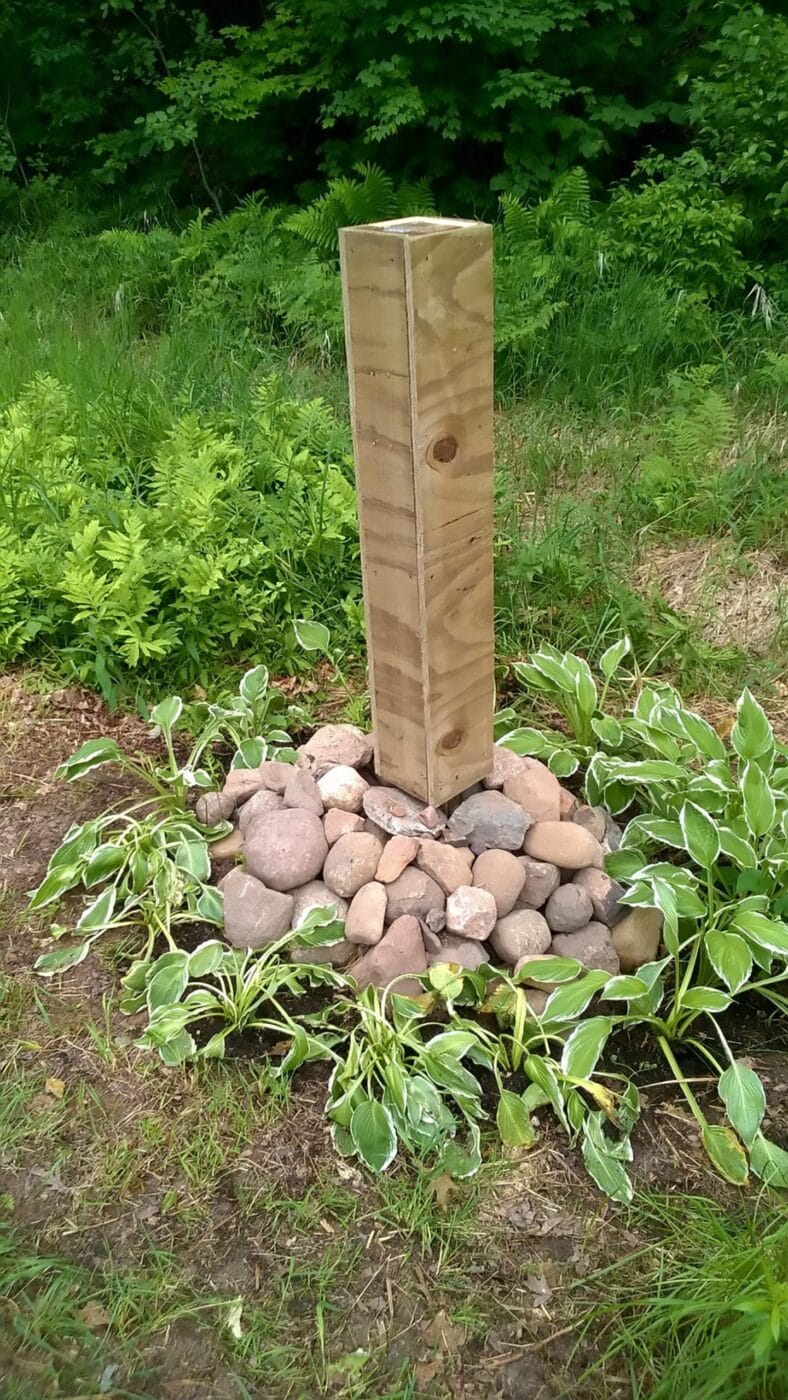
[{"x": 418, "y": 317}]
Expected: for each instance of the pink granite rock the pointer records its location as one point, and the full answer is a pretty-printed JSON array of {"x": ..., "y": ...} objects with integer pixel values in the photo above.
[
  {"x": 258, "y": 805},
  {"x": 541, "y": 878},
  {"x": 398, "y": 852},
  {"x": 335, "y": 744},
  {"x": 501, "y": 873},
  {"x": 413, "y": 892},
  {"x": 447, "y": 865},
  {"x": 471, "y": 913},
  {"x": 302, "y": 791},
  {"x": 505, "y": 765},
  {"x": 337, "y": 823},
  {"x": 592, "y": 946},
  {"x": 396, "y": 812},
  {"x": 569, "y": 805},
  {"x": 564, "y": 844},
  {"x": 275, "y": 775},
  {"x": 253, "y": 915},
  {"x": 342, "y": 787},
  {"x": 241, "y": 784},
  {"x": 518, "y": 934},
  {"x": 400, "y": 951},
  {"x": 537, "y": 791},
  {"x": 366, "y": 917},
  {"x": 285, "y": 849},
  {"x": 352, "y": 862}
]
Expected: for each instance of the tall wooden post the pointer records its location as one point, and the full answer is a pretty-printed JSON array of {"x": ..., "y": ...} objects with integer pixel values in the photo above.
[{"x": 418, "y": 322}]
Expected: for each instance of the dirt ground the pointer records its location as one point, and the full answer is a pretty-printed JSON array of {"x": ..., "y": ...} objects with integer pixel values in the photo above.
[{"x": 224, "y": 1248}]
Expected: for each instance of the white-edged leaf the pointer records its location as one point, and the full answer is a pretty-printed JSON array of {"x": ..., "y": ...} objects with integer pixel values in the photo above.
[
  {"x": 611, "y": 659},
  {"x": 49, "y": 964},
  {"x": 312, "y": 636},
  {"x": 769, "y": 1162},
  {"x": 99, "y": 913},
  {"x": 736, "y": 848},
  {"x": 513, "y": 1121},
  {"x": 729, "y": 956},
  {"x": 705, "y": 999},
  {"x": 206, "y": 958},
  {"x": 91, "y": 755},
  {"x": 254, "y": 684},
  {"x": 624, "y": 988},
  {"x": 166, "y": 714},
  {"x": 771, "y": 934},
  {"x": 608, "y": 1173},
  {"x": 758, "y": 798},
  {"x": 584, "y": 1046},
  {"x": 572, "y": 999},
  {"x": 374, "y": 1135},
  {"x": 726, "y": 1152},
  {"x": 745, "y": 1101},
  {"x": 700, "y": 835},
  {"x": 751, "y": 737}
]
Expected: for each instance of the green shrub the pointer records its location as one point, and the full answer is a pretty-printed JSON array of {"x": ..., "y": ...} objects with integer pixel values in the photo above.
[{"x": 137, "y": 570}]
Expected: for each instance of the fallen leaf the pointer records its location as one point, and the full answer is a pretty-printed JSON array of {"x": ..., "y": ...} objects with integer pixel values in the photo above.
[
  {"x": 55, "y": 1087},
  {"x": 444, "y": 1334},
  {"x": 426, "y": 1371},
  {"x": 442, "y": 1188},
  {"x": 233, "y": 1317},
  {"x": 95, "y": 1316}
]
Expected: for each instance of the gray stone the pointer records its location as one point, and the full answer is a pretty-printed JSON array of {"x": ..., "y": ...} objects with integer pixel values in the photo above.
[
  {"x": 564, "y": 844},
  {"x": 342, "y": 787},
  {"x": 636, "y": 938},
  {"x": 315, "y": 895},
  {"x": 489, "y": 820},
  {"x": 613, "y": 834},
  {"x": 468, "y": 952},
  {"x": 366, "y": 918},
  {"x": 432, "y": 941},
  {"x": 569, "y": 805},
  {"x": 593, "y": 819},
  {"x": 253, "y": 915},
  {"x": 592, "y": 946},
  {"x": 352, "y": 862},
  {"x": 258, "y": 805},
  {"x": 537, "y": 791},
  {"x": 302, "y": 791},
  {"x": 541, "y": 878},
  {"x": 413, "y": 892},
  {"x": 335, "y": 744},
  {"x": 505, "y": 765},
  {"x": 400, "y": 951},
  {"x": 286, "y": 849},
  {"x": 214, "y": 807},
  {"x": 605, "y": 895},
  {"x": 396, "y": 812},
  {"x": 501, "y": 873},
  {"x": 568, "y": 909},
  {"x": 518, "y": 934},
  {"x": 471, "y": 913},
  {"x": 275, "y": 774}
]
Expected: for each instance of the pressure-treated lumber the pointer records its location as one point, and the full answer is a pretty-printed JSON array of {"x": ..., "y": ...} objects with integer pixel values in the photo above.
[{"x": 418, "y": 322}]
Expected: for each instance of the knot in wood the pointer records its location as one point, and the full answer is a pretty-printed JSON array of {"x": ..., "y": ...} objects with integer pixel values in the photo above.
[
  {"x": 444, "y": 449},
  {"x": 452, "y": 740}
]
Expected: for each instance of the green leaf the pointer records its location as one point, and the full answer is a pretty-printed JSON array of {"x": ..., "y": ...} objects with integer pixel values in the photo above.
[
  {"x": 705, "y": 999},
  {"x": 650, "y": 770},
  {"x": 459, "y": 1160},
  {"x": 736, "y": 848},
  {"x": 700, "y": 835},
  {"x": 570, "y": 1001},
  {"x": 205, "y": 958},
  {"x": 611, "y": 659},
  {"x": 54, "y": 884},
  {"x": 254, "y": 684},
  {"x": 167, "y": 985},
  {"x": 751, "y": 737},
  {"x": 771, "y": 934},
  {"x": 726, "y": 1153},
  {"x": 745, "y": 1101},
  {"x": 624, "y": 989},
  {"x": 730, "y": 957},
  {"x": 166, "y": 714},
  {"x": 250, "y": 753},
  {"x": 551, "y": 670},
  {"x": 513, "y": 1121},
  {"x": 758, "y": 798},
  {"x": 622, "y": 864},
  {"x": 608, "y": 731},
  {"x": 562, "y": 763},
  {"x": 63, "y": 958},
  {"x": 312, "y": 636},
  {"x": 769, "y": 1162},
  {"x": 584, "y": 1046},
  {"x": 700, "y": 733},
  {"x": 210, "y": 905},
  {"x": 608, "y": 1173},
  {"x": 543, "y": 1075},
  {"x": 548, "y": 970},
  {"x": 105, "y": 861},
  {"x": 99, "y": 914},
  {"x": 91, "y": 755},
  {"x": 181, "y": 1047},
  {"x": 374, "y": 1135}
]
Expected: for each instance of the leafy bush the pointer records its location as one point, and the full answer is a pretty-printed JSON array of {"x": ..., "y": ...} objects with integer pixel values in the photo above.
[{"x": 213, "y": 547}]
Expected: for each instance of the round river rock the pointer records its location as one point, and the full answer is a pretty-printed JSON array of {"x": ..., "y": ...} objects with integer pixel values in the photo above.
[
  {"x": 352, "y": 862},
  {"x": 286, "y": 849}
]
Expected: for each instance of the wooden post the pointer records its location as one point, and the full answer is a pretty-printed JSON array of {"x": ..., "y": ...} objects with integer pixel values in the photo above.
[{"x": 418, "y": 322}]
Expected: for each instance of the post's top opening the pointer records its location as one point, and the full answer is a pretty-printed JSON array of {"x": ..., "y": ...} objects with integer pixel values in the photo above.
[{"x": 416, "y": 224}]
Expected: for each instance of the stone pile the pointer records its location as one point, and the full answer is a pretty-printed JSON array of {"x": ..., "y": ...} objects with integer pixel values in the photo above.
[{"x": 514, "y": 871}]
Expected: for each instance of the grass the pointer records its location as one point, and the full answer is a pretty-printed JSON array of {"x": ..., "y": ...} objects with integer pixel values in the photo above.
[{"x": 702, "y": 1312}]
